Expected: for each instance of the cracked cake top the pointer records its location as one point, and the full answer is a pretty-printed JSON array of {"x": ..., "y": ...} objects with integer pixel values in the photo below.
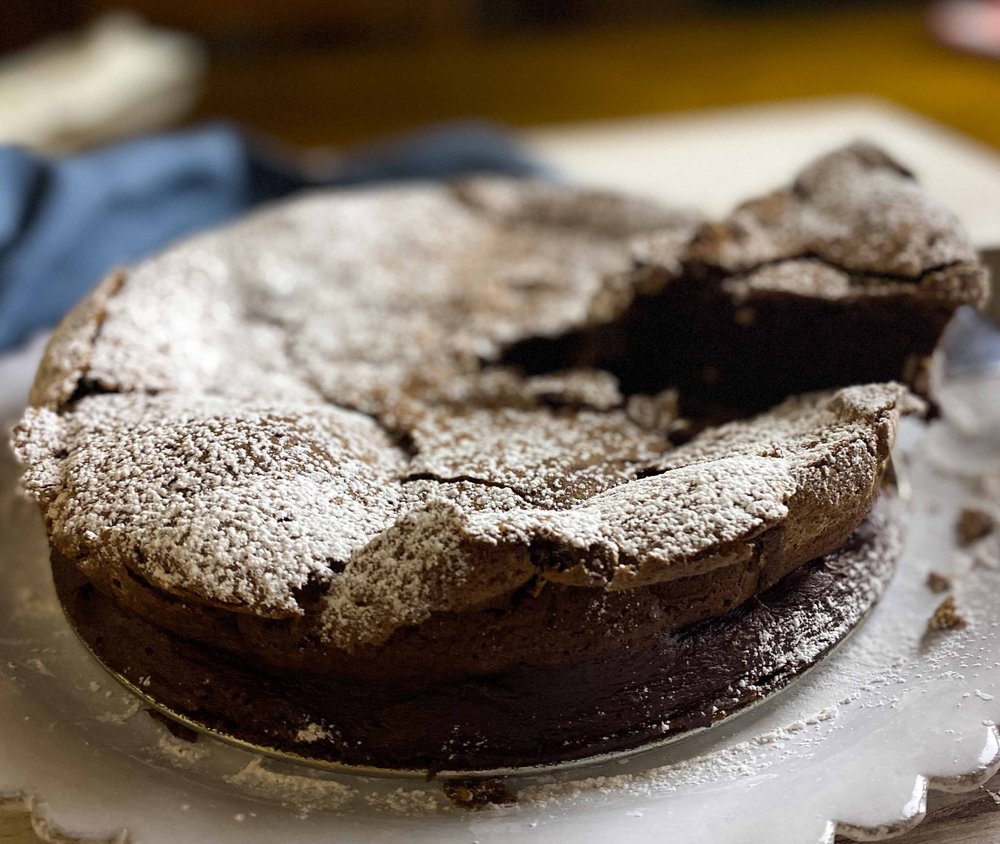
[{"x": 317, "y": 395}]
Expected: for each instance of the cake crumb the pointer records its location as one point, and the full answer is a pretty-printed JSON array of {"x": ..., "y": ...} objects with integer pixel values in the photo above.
[
  {"x": 974, "y": 522},
  {"x": 477, "y": 794},
  {"x": 938, "y": 583},
  {"x": 946, "y": 616}
]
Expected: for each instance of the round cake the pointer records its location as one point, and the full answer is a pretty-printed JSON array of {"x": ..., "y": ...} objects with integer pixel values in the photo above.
[{"x": 494, "y": 474}]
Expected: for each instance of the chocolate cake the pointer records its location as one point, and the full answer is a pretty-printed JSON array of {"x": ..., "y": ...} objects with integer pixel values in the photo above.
[{"x": 493, "y": 474}]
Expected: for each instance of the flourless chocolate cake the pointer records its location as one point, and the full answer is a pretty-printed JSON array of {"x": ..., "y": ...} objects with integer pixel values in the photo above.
[{"x": 493, "y": 474}]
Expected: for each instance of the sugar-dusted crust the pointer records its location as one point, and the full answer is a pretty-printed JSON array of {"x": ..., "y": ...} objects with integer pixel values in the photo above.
[
  {"x": 244, "y": 507},
  {"x": 578, "y": 694},
  {"x": 855, "y": 223},
  {"x": 376, "y": 300},
  {"x": 309, "y": 409}
]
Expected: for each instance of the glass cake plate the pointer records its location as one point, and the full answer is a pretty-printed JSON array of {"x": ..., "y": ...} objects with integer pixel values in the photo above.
[{"x": 852, "y": 747}]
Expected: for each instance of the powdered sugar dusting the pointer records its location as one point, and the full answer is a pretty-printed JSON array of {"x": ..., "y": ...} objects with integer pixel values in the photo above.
[
  {"x": 854, "y": 224},
  {"x": 701, "y": 508},
  {"x": 859, "y": 210},
  {"x": 178, "y": 752},
  {"x": 233, "y": 502},
  {"x": 300, "y": 400},
  {"x": 313, "y": 732},
  {"x": 303, "y": 792}
]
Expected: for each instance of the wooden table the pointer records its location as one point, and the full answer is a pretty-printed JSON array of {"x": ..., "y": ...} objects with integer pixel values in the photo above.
[{"x": 319, "y": 97}]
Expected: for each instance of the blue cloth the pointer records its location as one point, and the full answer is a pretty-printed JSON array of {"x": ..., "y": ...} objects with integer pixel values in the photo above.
[{"x": 66, "y": 222}]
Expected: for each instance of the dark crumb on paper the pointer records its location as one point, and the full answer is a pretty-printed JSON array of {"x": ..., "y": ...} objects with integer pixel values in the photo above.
[
  {"x": 946, "y": 616},
  {"x": 475, "y": 794},
  {"x": 938, "y": 582},
  {"x": 176, "y": 729},
  {"x": 973, "y": 523}
]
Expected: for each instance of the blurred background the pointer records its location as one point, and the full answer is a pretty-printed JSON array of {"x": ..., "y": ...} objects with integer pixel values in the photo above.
[
  {"x": 329, "y": 74},
  {"x": 333, "y": 72}
]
